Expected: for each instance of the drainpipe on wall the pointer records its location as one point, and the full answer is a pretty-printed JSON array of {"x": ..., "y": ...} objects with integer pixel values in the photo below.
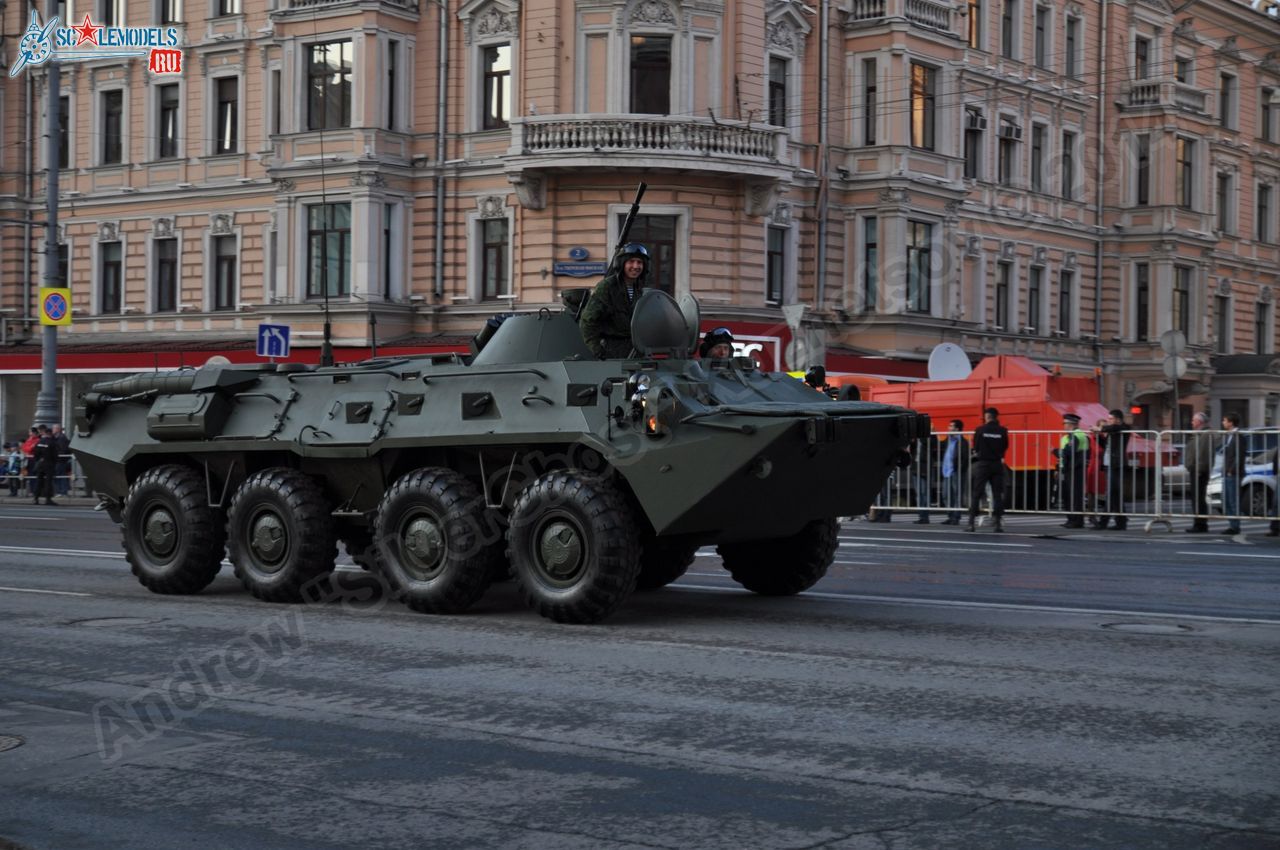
[
  {"x": 821, "y": 290},
  {"x": 442, "y": 114},
  {"x": 1100, "y": 183}
]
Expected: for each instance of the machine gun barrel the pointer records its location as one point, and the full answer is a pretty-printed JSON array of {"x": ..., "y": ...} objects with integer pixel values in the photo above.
[{"x": 626, "y": 225}]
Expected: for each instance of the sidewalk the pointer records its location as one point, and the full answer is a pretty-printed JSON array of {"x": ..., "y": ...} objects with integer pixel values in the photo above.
[{"x": 87, "y": 501}]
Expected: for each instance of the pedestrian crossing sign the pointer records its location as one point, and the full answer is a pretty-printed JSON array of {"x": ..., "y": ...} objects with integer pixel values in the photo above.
[{"x": 55, "y": 305}]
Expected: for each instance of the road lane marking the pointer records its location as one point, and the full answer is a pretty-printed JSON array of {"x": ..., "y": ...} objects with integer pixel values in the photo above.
[
  {"x": 75, "y": 553},
  {"x": 947, "y": 543},
  {"x": 51, "y": 592},
  {"x": 1204, "y": 552},
  {"x": 28, "y": 517},
  {"x": 995, "y": 606}
]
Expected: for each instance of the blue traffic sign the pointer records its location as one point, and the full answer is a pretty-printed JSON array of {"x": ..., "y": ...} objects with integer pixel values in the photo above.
[{"x": 273, "y": 340}]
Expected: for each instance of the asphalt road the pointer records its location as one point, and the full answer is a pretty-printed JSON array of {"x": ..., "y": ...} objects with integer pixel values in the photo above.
[{"x": 937, "y": 690}]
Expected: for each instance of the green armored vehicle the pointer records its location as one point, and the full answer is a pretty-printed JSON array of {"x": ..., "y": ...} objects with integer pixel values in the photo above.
[{"x": 588, "y": 478}]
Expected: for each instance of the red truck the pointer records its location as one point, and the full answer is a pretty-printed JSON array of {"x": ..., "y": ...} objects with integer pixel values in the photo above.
[{"x": 1030, "y": 399}]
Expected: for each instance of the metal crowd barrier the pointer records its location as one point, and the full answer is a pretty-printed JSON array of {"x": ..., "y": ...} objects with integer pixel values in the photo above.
[
  {"x": 1162, "y": 477},
  {"x": 68, "y": 479}
]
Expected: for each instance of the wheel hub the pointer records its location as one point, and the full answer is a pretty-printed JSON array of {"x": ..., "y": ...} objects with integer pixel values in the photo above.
[
  {"x": 560, "y": 549},
  {"x": 268, "y": 538},
  {"x": 424, "y": 541},
  {"x": 160, "y": 531}
]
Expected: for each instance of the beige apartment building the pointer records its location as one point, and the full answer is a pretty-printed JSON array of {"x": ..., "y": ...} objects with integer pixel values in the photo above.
[{"x": 848, "y": 183}]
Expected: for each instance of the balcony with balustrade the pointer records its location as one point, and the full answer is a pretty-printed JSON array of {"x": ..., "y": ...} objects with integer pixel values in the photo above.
[
  {"x": 294, "y": 8},
  {"x": 922, "y": 13},
  {"x": 1144, "y": 95}
]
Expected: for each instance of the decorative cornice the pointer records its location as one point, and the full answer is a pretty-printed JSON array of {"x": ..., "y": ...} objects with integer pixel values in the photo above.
[
  {"x": 220, "y": 224},
  {"x": 653, "y": 12},
  {"x": 162, "y": 228},
  {"x": 492, "y": 206}
]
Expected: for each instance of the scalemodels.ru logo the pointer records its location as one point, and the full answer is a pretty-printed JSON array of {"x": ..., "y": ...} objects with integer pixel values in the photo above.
[{"x": 41, "y": 42}]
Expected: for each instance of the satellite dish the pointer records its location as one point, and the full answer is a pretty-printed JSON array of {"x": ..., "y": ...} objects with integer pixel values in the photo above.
[
  {"x": 948, "y": 362},
  {"x": 217, "y": 360}
]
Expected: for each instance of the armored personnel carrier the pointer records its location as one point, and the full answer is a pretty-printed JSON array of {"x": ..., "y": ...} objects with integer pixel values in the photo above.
[{"x": 587, "y": 478}]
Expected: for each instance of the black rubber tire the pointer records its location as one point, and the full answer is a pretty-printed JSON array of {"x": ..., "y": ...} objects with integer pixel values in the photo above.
[
  {"x": 600, "y": 540},
  {"x": 184, "y": 551},
  {"x": 294, "y": 505},
  {"x": 662, "y": 561},
  {"x": 432, "y": 545},
  {"x": 787, "y": 565}
]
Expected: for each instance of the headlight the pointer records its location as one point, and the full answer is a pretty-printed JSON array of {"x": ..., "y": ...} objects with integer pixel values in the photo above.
[
  {"x": 660, "y": 413},
  {"x": 638, "y": 384}
]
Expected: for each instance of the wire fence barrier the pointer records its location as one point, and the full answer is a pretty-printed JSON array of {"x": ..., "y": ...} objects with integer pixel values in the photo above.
[
  {"x": 19, "y": 478},
  {"x": 1093, "y": 476}
]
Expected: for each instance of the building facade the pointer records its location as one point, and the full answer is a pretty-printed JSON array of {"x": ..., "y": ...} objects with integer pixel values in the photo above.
[{"x": 1063, "y": 180}]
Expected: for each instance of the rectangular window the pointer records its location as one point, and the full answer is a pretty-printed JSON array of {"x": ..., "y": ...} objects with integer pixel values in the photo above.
[
  {"x": 1142, "y": 302},
  {"x": 1263, "y": 216},
  {"x": 227, "y": 7},
  {"x": 1007, "y": 160},
  {"x": 110, "y": 13},
  {"x": 1261, "y": 328},
  {"x": 1003, "y": 274},
  {"x": 870, "y": 263},
  {"x": 1266, "y": 116},
  {"x": 1222, "y": 315},
  {"x": 496, "y": 241},
  {"x": 328, "y": 249},
  {"x": 1037, "y": 157},
  {"x": 775, "y": 258},
  {"x": 64, "y": 132},
  {"x": 1184, "y": 172},
  {"x": 166, "y": 275},
  {"x": 1068, "y": 165},
  {"x": 919, "y": 266},
  {"x": 167, "y": 120},
  {"x": 1225, "y": 204},
  {"x": 658, "y": 234},
  {"x": 111, "y": 257},
  {"x": 1066, "y": 281},
  {"x": 1182, "y": 69},
  {"x": 388, "y": 218},
  {"x": 227, "y": 115},
  {"x": 1142, "y": 193},
  {"x": 1072, "y": 65},
  {"x": 975, "y": 23},
  {"x": 170, "y": 11},
  {"x": 1226, "y": 100},
  {"x": 973, "y": 124},
  {"x": 1008, "y": 29},
  {"x": 1035, "y": 296},
  {"x": 1042, "y": 37},
  {"x": 275, "y": 101},
  {"x": 651, "y": 74},
  {"x": 924, "y": 81},
  {"x": 497, "y": 87},
  {"x": 777, "y": 91},
  {"x": 112, "y": 127},
  {"x": 1141, "y": 58},
  {"x": 869, "y": 101},
  {"x": 329, "y": 85},
  {"x": 393, "y": 85},
  {"x": 1182, "y": 300},
  {"x": 224, "y": 272}
]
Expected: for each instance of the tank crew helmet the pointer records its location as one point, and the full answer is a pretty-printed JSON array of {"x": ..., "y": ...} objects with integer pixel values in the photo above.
[
  {"x": 718, "y": 336},
  {"x": 634, "y": 249}
]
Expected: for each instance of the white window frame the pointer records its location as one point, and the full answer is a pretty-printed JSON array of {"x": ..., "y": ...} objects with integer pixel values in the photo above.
[
  {"x": 475, "y": 259},
  {"x": 99, "y": 120},
  {"x": 471, "y": 13},
  {"x": 157, "y": 5},
  {"x": 150, "y": 254},
  {"x": 211, "y": 110},
  {"x": 684, "y": 235},
  {"x": 1042, "y": 319},
  {"x": 1076, "y": 61},
  {"x": 1229, "y": 219},
  {"x": 95, "y": 258},
  {"x": 402, "y": 97},
  {"x": 937, "y": 261},
  {"x": 790, "y": 244},
  {"x": 1015, "y": 44},
  {"x": 394, "y": 264},
  {"x": 1232, "y": 116},
  {"x": 153, "y": 117},
  {"x": 210, "y": 269}
]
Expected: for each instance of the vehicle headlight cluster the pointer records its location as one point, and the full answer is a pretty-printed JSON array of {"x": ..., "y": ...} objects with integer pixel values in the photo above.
[{"x": 655, "y": 408}]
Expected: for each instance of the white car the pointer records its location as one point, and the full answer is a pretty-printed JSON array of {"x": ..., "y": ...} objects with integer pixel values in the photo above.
[{"x": 1258, "y": 489}]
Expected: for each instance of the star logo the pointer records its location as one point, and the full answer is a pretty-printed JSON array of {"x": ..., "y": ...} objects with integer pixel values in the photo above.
[{"x": 87, "y": 31}]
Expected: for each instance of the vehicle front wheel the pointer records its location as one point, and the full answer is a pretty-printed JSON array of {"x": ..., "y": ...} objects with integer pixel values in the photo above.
[
  {"x": 432, "y": 545},
  {"x": 574, "y": 547},
  {"x": 783, "y": 566},
  {"x": 280, "y": 534},
  {"x": 1258, "y": 502},
  {"x": 173, "y": 540}
]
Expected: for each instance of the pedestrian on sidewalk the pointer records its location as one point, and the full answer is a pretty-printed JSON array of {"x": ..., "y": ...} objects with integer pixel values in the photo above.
[
  {"x": 955, "y": 469},
  {"x": 922, "y": 476},
  {"x": 1095, "y": 484},
  {"x": 1073, "y": 462},
  {"x": 46, "y": 456},
  {"x": 1233, "y": 462},
  {"x": 1197, "y": 457},
  {"x": 29, "y": 459},
  {"x": 62, "y": 469},
  {"x": 1114, "y": 440},
  {"x": 13, "y": 467},
  {"x": 990, "y": 442}
]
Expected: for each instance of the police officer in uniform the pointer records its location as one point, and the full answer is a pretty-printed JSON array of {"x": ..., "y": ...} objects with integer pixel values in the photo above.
[
  {"x": 990, "y": 442},
  {"x": 1073, "y": 463},
  {"x": 46, "y": 463},
  {"x": 606, "y": 320}
]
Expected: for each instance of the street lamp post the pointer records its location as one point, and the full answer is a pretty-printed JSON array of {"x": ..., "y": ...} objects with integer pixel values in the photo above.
[{"x": 47, "y": 407}]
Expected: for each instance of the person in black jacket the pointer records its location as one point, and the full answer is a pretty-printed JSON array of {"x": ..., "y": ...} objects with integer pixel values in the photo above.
[
  {"x": 990, "y": 442},
  {"x": 1234, "y": 458},
  {"x": 1073, "y": 463},
  {"x": 46, "y": 457},
  {"x": 606, "y": 320},
  {"x": 1113, "y": 440},
  {"x": 953, "y": 451}
]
